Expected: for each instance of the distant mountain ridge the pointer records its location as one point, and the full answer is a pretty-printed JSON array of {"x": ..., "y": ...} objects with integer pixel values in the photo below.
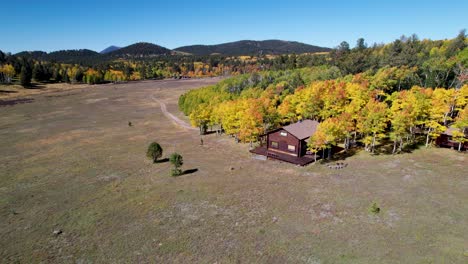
[
  {"x": 140, "y": 49},
  {"x": 145, "y": 49},
  {"x": 37, "y": 55},
  {"x": 253, "y": 47},
  {"x": 109, "y": 49},
  {"x": 63, "y": 56}
]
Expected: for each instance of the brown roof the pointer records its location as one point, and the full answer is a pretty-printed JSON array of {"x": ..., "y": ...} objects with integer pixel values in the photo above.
[
  {"x": 450, "y": 130},
  {"x": 302, "y": 130}
]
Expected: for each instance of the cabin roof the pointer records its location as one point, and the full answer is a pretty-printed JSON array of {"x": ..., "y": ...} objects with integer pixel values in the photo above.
[
  {"x": 451, "y": 129},
  {"x": 303, "y": 129}
]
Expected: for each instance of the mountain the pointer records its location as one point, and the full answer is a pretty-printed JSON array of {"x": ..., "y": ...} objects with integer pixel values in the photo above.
[
  {"x": 90, "y": 57},
  {"x": 80, "y": 56},
  {"x": 72, "y": 54},
  {"x": 37, "y": 55},
  {"x": 253, "y": 47},
  {"x": 140, "y": 49},
  {"x": 144, "y": 49},
  {"x": 109, "y": 49}
]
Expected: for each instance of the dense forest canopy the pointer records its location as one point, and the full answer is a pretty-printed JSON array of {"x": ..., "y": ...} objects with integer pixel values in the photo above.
[{"x": 364, "y": 94}]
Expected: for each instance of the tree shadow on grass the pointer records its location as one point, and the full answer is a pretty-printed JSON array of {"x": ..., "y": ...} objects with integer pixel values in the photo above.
[
  {"x": 385, "y": 147},
  {"x": 190, "y": 171},
  {"x": 418, "y": 143},
  {"x": 210, "y": 132},
  {"x": 342, "y": 155},
  {"x": 16, "y": 101},
  {"x": 8, "y": 92},
  {"x": 162, "y": 160},
  {"x": 33, "y": 86}
]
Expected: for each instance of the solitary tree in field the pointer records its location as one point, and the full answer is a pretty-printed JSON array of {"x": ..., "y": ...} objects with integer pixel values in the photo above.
[
  {"x": 154, "y": 151},
  {"x": 177, "y": 161}
]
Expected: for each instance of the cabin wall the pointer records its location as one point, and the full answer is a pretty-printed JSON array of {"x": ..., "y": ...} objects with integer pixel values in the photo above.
[
  {"x": 284, "y": 140},
  {"x": 447, "y": 141}
]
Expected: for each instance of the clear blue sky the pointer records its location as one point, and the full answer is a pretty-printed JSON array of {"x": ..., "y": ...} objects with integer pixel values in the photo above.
[{"x": 54, "y": 25}]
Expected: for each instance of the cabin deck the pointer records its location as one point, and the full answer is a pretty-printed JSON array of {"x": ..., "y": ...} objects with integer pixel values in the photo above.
[{"x": 302, "y": 161}]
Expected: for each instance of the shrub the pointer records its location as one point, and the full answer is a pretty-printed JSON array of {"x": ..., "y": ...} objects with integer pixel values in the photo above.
[
  {"x": 154, "y": 151},
  {"x": 176, "y": 160},
  {"x": 374, "y": 209},
  {"x": 176, "y": 172}
]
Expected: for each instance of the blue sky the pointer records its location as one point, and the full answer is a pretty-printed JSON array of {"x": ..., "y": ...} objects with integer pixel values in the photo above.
[{"x": 55, "y": 25}]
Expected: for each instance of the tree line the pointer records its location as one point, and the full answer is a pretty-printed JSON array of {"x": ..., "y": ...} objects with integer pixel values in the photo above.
[{"x": 24, "y": 69}]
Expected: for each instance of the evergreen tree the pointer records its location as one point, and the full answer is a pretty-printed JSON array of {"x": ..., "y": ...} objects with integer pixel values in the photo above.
[
  {"x": 2, "y": 57},
  {"x": 457, "y": 44},
  {"x": 142, "y": 71},
  {"x": 127, "y": 71},
  {"x": 38, "y": 72},
  {"x": 25, "y": 76},
  {"x": 360, "y": 44},
  {"x": 65, "y": 77},
  {"x": 79, "y": 75},
  {"x": 154, "y": 151},
  {"x": 47, "y": 72},
  {"x": 177, "y": 161},
  {"x": 343, "y": 47},
  {"x": 56, "y": 75}
]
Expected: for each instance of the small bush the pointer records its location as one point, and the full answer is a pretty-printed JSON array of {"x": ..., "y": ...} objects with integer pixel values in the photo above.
[
  {"x": 374, "y": 209},
  {"x": 176, "y": 172},
  {"x": 176, "y": 160}
]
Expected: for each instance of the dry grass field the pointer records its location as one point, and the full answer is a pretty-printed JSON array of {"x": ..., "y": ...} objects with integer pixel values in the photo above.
[
  {"x": 8, "y": 92},
  {"x": 70, "y": 162}
]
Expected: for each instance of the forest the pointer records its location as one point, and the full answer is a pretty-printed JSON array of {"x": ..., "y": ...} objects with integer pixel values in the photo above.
[{"x": 398, "y": 92}]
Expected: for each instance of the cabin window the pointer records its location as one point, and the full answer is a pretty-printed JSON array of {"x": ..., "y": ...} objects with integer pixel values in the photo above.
[
  {"x": 284, "y": 134},
  {"x": 291, "y": 148},
  {"x": 274, "y": 144}
]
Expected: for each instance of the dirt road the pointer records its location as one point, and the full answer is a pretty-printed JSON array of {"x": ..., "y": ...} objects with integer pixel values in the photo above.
[{"x": 172, "y": 117}]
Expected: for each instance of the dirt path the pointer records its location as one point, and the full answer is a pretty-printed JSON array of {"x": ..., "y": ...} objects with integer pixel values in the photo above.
[{"x": 172, "y": 117}]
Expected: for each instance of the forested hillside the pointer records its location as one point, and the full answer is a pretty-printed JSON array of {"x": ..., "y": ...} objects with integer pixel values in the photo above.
[
  {"x": 252, "y": 47},
  {"x": 140, "y": 49},
  {"x": 393, "y": 91}
]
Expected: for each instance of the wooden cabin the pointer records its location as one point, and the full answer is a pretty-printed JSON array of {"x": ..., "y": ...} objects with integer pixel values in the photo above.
[
  {"x": 289, "y": 143},
  {"x": 445, "y": 139}
]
